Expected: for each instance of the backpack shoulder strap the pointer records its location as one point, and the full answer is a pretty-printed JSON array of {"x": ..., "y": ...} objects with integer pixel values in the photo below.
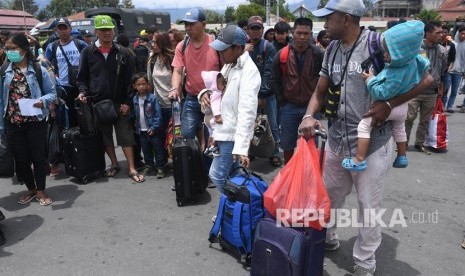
[
  {"x": 283, "y": 56},
  {"x": 375, "y": 49},
  {"x": 3, "y": 69},
  {"x": 186, "y": 42},
  {"x": 263, "y": 46},
  {"x": 38, "y": 70},
  {"x": 78, "y": 44}
]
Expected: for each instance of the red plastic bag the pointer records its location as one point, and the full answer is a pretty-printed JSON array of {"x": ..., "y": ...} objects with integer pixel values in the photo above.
[
  {"x": 438, "y": 133},
  {"x": 297, "y": 197}
]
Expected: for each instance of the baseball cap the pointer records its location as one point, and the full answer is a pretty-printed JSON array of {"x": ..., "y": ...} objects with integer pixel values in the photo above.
[
  {"x": 194, "y": 15},
  {"x": 87, "y": 33},
  {"x": 352, "y": 7},
  {"x": 103, "y": 22},
  {"x": 62, "y": 21},
  {"x": 255, "y": 21},
  {"x": 231, "y": 35}
]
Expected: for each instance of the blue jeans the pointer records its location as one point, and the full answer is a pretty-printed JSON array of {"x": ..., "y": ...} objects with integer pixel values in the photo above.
[
  {"x": 452, "y": 80},
  {"x": 153, "y": 144},
  {"x": 191, "y": 118},
  {"x": 291, "y": 117},
  {"x": 271, "y": 112},
  {"x": 222, "y": 164}
]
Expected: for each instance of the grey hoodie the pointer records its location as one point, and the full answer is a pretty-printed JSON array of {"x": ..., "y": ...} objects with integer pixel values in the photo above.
[{"x": 459, "y": 63}]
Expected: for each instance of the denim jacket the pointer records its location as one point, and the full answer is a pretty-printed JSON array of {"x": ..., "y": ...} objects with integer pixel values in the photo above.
[
  {"x": 47, "y": 94},
  {"x": 152, "y": 112}
]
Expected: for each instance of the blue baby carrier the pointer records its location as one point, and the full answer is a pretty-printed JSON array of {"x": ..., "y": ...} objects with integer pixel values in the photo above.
[{"x": 240, "y": 209}]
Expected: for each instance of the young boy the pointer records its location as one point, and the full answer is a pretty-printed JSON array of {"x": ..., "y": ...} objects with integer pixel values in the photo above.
[{"x": 403, "y": 70}]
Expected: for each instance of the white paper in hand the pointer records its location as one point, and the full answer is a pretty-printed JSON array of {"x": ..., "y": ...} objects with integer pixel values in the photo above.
[{"x": 27, "y": 109}]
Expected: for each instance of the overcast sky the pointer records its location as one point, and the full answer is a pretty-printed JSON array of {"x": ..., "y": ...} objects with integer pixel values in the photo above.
[{"x": 208, "y": 4}]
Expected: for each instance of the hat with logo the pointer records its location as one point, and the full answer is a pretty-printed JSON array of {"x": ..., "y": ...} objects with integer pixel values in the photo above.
[
  {"x": 62, "y": 21},
  {"x": 103, "y": 22},
  {"x": 255, "y": 21},
  {"x": 231, "y": 35},
  {"x": 352, "y": 7},
  {"x": 194, "y": 15},
  {"x": 87, "y": 33}
]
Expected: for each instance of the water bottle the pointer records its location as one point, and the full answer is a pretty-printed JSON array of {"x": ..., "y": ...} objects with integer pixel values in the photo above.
[{"x": 176, "y": 113}]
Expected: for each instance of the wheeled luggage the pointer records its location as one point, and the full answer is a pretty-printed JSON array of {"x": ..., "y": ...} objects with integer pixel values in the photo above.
[
  {"x": 190, "y": 177},
  {"x": 240, "y": 209},
  {"x": 286, "y": 251},
  {"x": 84, "y": 154}
]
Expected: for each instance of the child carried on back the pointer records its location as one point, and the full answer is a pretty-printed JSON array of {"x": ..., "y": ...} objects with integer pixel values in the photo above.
[{"x": 404, "y": 69}]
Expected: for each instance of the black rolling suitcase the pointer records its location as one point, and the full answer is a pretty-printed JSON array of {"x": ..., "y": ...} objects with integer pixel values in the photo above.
[
  {"x": 84, "y": 154},
  {"x": 285, "y": 251},
  {"x": 190, "y": 178}
]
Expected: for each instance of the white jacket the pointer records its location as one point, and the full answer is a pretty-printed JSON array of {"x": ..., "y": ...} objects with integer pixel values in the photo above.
[{"x": 239, "y": 104}]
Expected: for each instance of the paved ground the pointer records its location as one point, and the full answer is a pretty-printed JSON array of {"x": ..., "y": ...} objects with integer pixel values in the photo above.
[{"x": 115, "y": 227}]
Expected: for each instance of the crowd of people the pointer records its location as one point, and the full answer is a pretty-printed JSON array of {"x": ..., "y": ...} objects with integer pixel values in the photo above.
[{"x": 245, "y": 71}]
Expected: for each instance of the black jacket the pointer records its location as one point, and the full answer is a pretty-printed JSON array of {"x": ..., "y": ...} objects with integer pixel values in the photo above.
[
  {"x": 97, "y": 76},
  {"x": 142, "y": 56}
]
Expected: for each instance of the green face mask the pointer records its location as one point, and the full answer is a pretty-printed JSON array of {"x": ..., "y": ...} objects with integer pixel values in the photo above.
[{"x": 14, "y": 56}]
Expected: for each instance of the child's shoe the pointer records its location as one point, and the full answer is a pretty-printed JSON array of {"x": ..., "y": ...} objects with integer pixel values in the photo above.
[
  {"x": 400, "y": 162},
  {"x": 350, "y": 165}
]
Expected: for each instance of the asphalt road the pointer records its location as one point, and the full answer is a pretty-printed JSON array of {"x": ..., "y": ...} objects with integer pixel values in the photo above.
[{"x": 115, "y": 227}]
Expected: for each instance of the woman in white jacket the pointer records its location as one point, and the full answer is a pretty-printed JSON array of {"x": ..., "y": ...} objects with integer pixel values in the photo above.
[{"x": 238, "y": 105}]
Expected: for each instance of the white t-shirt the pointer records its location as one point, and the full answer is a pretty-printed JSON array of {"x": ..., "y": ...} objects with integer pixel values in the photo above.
[
  {"x": 143, "y": 125},
  {"x": 73, "y": 55}
]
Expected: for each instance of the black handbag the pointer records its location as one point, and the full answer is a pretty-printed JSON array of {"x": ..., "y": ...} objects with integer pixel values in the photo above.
[
  {"x": 105, "y": 112},
  {"x": 72, "y": 70},
  {"x": 7, "y": 162},
  {"x": 85, "y": 118}
]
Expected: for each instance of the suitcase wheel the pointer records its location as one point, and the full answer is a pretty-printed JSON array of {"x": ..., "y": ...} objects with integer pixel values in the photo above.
[
  {"x": 180, "y": 203},
  {"x": 85, "y": 180}
]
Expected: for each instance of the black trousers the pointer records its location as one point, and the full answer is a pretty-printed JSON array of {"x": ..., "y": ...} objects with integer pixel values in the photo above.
[{"x": 28, "y": 145}]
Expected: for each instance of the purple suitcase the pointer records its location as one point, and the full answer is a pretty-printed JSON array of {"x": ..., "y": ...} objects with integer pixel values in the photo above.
[{"x": 285, "y": 251}]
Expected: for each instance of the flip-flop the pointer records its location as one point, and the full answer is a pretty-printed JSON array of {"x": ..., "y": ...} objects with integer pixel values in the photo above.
[
  {"x": 44, "y": 201},
  {"x": 29, "y": 196},
  {"x": 136, "y": 177},
  {"x": 112, "y": 171},
  {"x": 350, "y": 165}
]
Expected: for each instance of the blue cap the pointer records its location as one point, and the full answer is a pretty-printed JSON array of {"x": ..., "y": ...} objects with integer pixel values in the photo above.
[
  {"x": 194, "y": 15},
  {"x": 352, "y": 7},
  {"x": 231, "y": 35}
]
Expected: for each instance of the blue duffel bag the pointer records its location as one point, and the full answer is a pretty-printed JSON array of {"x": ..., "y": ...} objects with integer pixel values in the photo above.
[{"x": 240, "y": 209}]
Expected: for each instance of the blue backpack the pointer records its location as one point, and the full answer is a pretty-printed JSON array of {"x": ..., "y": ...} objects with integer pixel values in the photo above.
[{"x": 240, "y": 209}]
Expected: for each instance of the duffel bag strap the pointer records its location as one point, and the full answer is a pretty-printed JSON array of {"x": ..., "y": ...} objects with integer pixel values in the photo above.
[
  {"x": 219, "y": 217},
  {"x": 236, "y": 227}
]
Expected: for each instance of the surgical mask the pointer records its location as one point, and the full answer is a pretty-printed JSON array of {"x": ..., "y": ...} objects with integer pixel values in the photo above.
[{"x": 14, "y": 56}]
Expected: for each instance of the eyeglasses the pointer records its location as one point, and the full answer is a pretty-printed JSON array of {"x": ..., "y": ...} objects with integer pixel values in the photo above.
[{"x": 255, "y": 28}]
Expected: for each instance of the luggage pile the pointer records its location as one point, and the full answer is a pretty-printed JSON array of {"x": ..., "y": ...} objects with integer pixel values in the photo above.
[{"x": 245, "y": 224}]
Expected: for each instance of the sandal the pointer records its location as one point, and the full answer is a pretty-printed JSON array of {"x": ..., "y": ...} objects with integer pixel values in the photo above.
[
  {"x": 350, "y": 165},
  {"x": 27, "y": 197},
  {"x": 276, "y": 161},
  {"x": 44, "y": 201},
  {"x": 137, "y": 177},
  {"x": 112, "y": 171}
]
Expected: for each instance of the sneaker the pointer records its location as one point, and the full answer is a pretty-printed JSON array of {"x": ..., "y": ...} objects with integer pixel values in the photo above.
[
  {"x": 450, "y": 110},
  {"x": 421, "y": 148},
  {"x": 214, "y": 219},
  {"x": 332, "y": 246},
  {"x": 462, "y": 110},
  {"x": 173, "y": 188},
  {"x": 463, "y": 244},
  {"x": 361, "y": 271},
  {"x": 146, "y": 170},
  {"x": 161, "y": 173}
]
